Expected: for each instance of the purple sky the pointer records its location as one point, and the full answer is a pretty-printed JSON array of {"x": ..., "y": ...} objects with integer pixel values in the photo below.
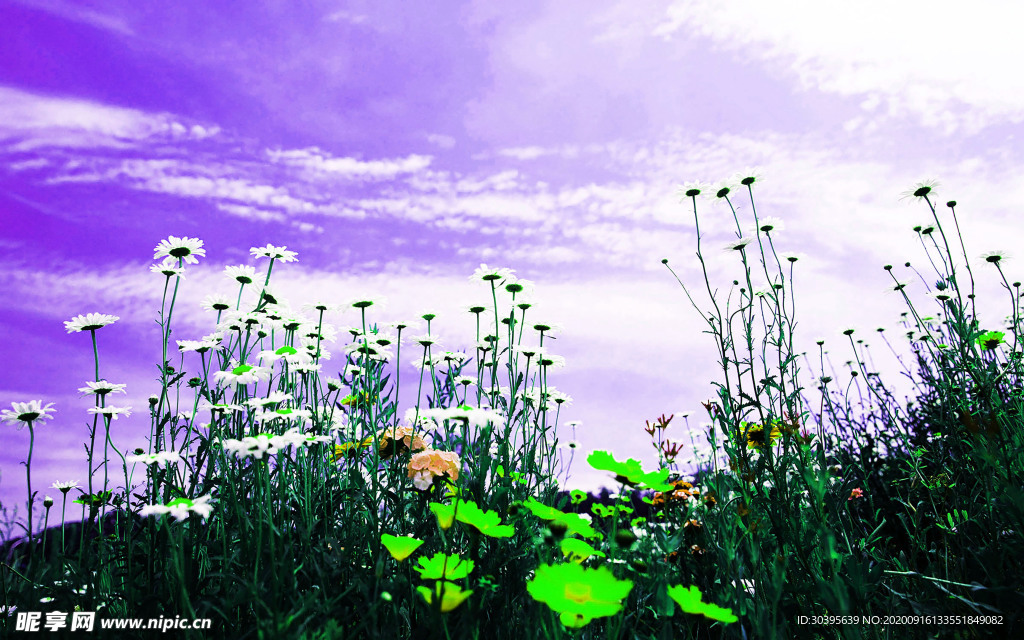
[{"x": 397, "y": 146}]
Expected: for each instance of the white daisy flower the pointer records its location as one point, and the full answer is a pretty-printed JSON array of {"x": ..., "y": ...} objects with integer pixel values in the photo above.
[
  {"x": 243, "y": 273},
  {"x": 277, "y": 397},
  {"x": 223, "y": 408},
  {"x": 316, "y": 367},
  {"x": 169, "y": 267},
  {"x": 296, "y": 438},
  {"x": 284, "y": 413},
  {"x": 64, "y": 487},
  {"x": 487, "y": 274},
  {"x": 737, "y": 244},
  {"x": 199, "y": 346},
  {"x": 558, "y": 397},
  {"x": 520, "y": 287},
  {"x": 241, "y": 374},
  {"x": 995, "y": 257},
  {"x": 369, "y": 350},
  {"x": 723, "y": 188},
  {"x": 165, "y": 458},
  {"x": 321, "y": 306},
  {"x": 217, "y": 302},
  {"x": 180, "y": 508},
  {"x": 352, "y": 371},
  {"x": 748, "y": 176},
  {"x": 274, "y": 253},
  {"x": 26, "y": 412},
  {"x": 111, "y": 412},
  {"x": 89, "y": 322},
  {"x": 185, "y": 248},
  {"x": 291, "y": 355},
  {"x": 379, "y": 303},
  {"x": 769, "y": 224},
  {"x": 255, "y": 446},
  {"x": 384, "y": 338},
  {"x": 692, "y": 190},
  {"x": 546, "y": 359},
  {"x": 320, "y": 354},
  {"x": 547, "y": 327},
  {"x": 323, "y": 333},
  {"x": 920, "y": 189},
  {"x": 102, "y": 388},
  {"x": 241, "y": 321},
  {"x": 471, "y": 415}
]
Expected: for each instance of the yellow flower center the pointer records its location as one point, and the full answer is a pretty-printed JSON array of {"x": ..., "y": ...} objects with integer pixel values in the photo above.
[{"x": 578, "y": 592}]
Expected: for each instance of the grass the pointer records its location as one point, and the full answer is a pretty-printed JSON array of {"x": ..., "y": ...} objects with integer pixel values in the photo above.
[{"x": 281, "y": 503}]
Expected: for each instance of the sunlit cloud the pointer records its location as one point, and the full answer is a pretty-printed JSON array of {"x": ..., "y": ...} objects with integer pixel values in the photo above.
[{"x": 886, "y": 54}]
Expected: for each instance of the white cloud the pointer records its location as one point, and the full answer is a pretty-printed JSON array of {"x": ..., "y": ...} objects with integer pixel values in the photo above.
[
  {"x": 441, "y": 140},
  {"x": 950, "y": 64},
  {"x": 78, "y": 13},
  {"x": 317, "y": 161},
  {"x": 346, "y": 16},
  {"x": 30, "y": 122},
  {"x": 251, "y": 213},
  {"x": 524, "y": 153}
]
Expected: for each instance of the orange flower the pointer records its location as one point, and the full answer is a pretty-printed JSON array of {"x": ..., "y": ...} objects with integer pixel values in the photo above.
[
  {"x": 428, "y": 465},
  {"x": 395, "y": 440},
  {"x": 856, "y": 493}
]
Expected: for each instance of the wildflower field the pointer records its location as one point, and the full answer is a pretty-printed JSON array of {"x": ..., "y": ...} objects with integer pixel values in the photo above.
[{"x": 284, "y": 494}]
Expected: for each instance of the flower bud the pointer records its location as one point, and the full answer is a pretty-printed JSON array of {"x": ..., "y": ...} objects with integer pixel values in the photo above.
[
  {"x": 625, "y": 538},
  {"x": 558, "y": 529}
]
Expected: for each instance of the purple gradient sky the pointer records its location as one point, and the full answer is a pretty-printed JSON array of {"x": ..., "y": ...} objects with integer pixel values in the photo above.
[{"x": 397, "y": 146}]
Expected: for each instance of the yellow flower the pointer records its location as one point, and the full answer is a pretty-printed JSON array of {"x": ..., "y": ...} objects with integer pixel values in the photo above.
[
  {"x": 579, "y": 594},
  {"x": 445, "y": 514},
  {"x": 400, "y": 547},
  {"x": 689, "y": 600},
  {"x": 350, "y": 448},
  {"x": 756, "y": 436},
  {"x": 451, "y": 594}
]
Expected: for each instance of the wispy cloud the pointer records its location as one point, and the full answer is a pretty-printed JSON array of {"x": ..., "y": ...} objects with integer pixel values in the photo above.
[
  {"x": 631, "y": 218},
  {"x": 931, "y": 61},
  {"x": 320, "y": 162},
  {"x": 33, "y": 123},
  {"x": 86, "y": 15}
]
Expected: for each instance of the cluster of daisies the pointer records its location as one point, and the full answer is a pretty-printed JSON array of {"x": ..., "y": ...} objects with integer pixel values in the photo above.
[{"x": 306, "y": 340}]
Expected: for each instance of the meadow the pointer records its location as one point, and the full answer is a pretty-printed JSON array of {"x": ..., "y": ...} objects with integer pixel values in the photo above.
[{"x": 284, "y": 494}]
